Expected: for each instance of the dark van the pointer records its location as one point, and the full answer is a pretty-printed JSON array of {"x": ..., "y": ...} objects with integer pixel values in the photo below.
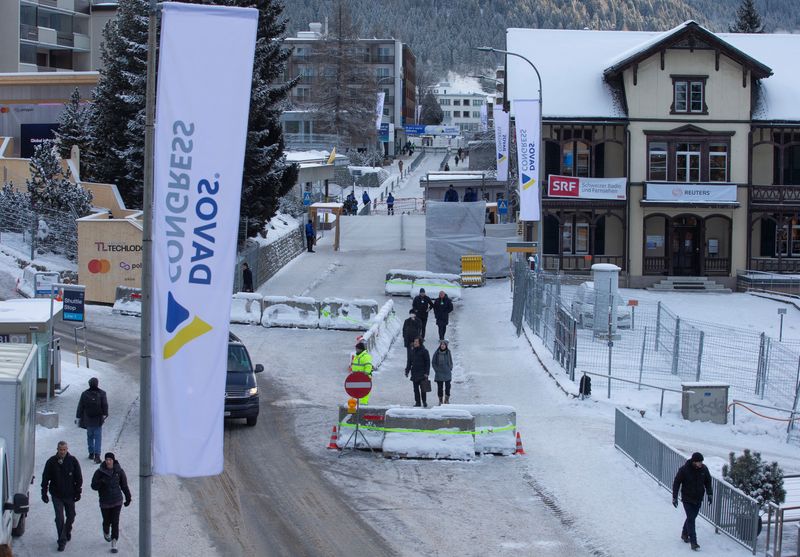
[{"x": 241, "y": 388}]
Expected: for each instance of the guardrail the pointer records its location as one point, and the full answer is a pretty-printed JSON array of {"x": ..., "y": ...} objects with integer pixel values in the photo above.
[
  {"x": 732, "y": 512},
  {"x": 640, "y": 385}
]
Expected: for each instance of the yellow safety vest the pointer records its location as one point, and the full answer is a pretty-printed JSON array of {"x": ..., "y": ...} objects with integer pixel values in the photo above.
[{"x": 362, "y": 362}]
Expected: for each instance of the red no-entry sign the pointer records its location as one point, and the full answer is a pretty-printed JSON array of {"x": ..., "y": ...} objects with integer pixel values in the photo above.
[{"x": 358, "y": 384}]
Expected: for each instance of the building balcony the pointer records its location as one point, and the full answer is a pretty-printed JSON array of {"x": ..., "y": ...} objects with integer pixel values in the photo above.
[
  {"x": 774, "y": 195},
  {"x": 383, "y": 59},
  {"x": 48, "y": 36}
]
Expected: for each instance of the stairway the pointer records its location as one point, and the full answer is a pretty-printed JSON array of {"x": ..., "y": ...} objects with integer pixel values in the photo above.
[{"x": 689, "y": 284}]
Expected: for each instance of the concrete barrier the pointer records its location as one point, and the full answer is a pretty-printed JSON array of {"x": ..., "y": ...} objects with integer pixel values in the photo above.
[
  {"x": 403, "y": 282},
  {"x": 352, "y": 315},
  {"x": 399, "y": 282},
  {"x": 381, "y": 335},
  {"x": 246, "y": 308},
  {"x": 294, "y": 311},
  {"x": 128, "y": 301},
  {"x": 434, "y": 285},
  {"x": 495, "y": 427},
  {"x": 367, "y": 417},
  {"x": 440, "y": 433}
]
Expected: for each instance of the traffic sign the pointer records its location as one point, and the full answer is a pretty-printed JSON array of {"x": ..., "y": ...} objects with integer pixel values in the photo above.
[
  {"x": 306, "y": 198},
  {"x": 358, "y": 384},
  {"x": 502, "y": 207}
]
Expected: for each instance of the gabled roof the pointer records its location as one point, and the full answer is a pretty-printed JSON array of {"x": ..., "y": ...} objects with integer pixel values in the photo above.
[{"x": 688, "y": 33}]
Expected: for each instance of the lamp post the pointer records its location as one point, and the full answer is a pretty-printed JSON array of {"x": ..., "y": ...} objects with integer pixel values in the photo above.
[{"x": 539, "y": 236}]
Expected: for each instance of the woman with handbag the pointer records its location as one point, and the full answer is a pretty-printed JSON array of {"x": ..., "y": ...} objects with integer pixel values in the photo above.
[
  {"x": 443, "y": 367},
  {"x": 420, "y": 370}
]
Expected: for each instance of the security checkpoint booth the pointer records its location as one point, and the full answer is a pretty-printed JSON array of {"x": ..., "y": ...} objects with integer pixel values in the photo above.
[{"x": 326, "y": 216}]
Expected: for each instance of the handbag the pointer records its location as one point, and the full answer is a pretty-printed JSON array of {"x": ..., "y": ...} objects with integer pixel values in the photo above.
[{"x": 426, "y": 385}]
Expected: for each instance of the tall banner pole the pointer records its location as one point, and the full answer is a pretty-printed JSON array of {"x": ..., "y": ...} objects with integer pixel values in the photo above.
[
  {"x": 528, "y": 130},
  {"x": 145, "y": 380}
]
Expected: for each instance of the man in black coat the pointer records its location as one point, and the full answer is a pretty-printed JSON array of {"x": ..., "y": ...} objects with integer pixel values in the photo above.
[
  {"x": 420, "y": 370},
  {"x": 91, "y": 413},
  {"x": 442, "y": 307},
  {"x": 412, "y": 328},
  {"x": 63, "y": 481},
  {"x": 422, "y": 305},
  {"x": 247, "y": 278},
  {"x": 693, "y": 479}
]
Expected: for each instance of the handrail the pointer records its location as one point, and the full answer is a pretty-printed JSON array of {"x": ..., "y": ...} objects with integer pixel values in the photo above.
[{"x": 661, "y": 407}]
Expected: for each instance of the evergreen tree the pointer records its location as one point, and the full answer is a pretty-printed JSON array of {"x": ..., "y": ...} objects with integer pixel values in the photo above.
[
  {"x": 431, "y": 111},
  {"x": 50, "y": 187},
  {"x": 761, "y": 481},
  {"x": 747, "y": 19},
  {"x": 117, "y": 116},
  {"x": 73, "y": 129}
]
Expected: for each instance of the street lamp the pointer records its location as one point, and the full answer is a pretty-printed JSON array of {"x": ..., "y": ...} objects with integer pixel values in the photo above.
[{"x": 539, "y": 236}]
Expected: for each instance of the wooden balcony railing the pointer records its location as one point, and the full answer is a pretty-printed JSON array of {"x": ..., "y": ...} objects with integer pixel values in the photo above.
[
  {"x": 775, "y": 265},
  {"x": 579, "y": 263},
  {"x": 775, "y": 194}
]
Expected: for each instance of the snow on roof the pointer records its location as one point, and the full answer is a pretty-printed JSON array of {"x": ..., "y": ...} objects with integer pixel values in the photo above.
[
  {"x": 450, "y": 176},
  {"x": 307, "y": 156},
  {"x": 35, "y": 310},
  {"x": 573, "y": 84}
]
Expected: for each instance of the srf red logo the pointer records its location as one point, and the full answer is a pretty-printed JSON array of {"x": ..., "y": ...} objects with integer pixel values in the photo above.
[{"x": 563, "y": 186}]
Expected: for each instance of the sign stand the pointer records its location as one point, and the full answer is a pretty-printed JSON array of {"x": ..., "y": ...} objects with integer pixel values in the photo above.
[
  {"x": 354, "y": 436},
  {"x": 357, "y": 385}
]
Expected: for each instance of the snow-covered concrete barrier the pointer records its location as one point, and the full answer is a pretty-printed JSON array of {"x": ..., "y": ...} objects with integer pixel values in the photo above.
[
  {"x": 386, "y": 326},
  {"x": 355, "y": 315},
  {"x": 495, "y": 427},
  {"x": 290, "y": 311},
  {"x": 441, "y": 432},
  {"x": 371, "y": 421},
  {"x": 128, "y": 301},
  {"x": 403, "y": 282},
  {"x": 246, "y": 308}
]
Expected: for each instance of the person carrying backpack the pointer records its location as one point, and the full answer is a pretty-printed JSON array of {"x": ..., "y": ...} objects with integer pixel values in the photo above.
[{"x": 92, "y": 412}]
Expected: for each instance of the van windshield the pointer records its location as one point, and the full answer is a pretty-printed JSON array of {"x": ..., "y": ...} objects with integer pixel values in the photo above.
[{"x": 238, "y": 360}]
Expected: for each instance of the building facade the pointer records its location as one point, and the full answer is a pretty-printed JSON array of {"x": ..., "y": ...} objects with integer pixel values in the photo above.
[
  {"x": 390, "y": 62},
  {"x": 461, "y": 108},
  {"x": 702, "y": 128}
]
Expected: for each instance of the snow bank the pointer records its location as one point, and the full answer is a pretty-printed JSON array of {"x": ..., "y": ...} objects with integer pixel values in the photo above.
[
  {"x": 441, "y": 436},
  {"x": 496, "y": 426},
  {"x": 246, "y": 308},
  {"x": 382, "y": 334},
  {"x": 355, "y": 315},
  {"x": 290, "y": 311}
]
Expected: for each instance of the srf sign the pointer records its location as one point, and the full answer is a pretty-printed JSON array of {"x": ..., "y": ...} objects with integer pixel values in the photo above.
[{"x": 563, "y": 186}]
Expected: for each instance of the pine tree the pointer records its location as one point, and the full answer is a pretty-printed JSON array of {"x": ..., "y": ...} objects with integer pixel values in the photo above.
[
  {"x": 761, "y": 481},
  {"x": 747, "y": 19},
  {"x": 50, "y": 187},
  {"x": 73, "y": 129},
  {"x": 117, "y": 120},
  {"x": 431, "y": 111}
]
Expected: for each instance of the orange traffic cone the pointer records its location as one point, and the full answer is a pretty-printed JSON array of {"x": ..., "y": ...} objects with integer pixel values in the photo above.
[
  {"x": 519, "y": 450},
  {"x": 334, "y": 437}
]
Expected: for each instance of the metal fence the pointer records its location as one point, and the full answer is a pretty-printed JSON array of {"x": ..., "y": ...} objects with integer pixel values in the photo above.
[
  {"x": 416, "y": 162},
  {"x": 38, "y": 232},
  {"x": 652, "y": 344},
  {"x": 731, "y": 511}
]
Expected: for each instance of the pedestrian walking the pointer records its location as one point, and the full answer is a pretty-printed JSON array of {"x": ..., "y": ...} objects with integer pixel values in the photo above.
[
  {"x": 362, "y": 362},
  {"x": 365, "y": 200},
  {"x": 692, "y": 479},
  {"x": 111, "y": 483},
  {"x": 390, "y": 204},
  {"x": 412, "y": 328},
  {"x": 421, "y": 305},
  {"x": 420, "y": 370},
  {"x": 91, "y": 413},
  {"x": 442, "y": 362},
  {"x": 247, "y": 278},
  {"x": 311, "y": 236},
  {"x": 446, "y": 167},
  {"x": 400, "y": 167},
  {"x": 442, "y": 307},
  {"x": 460, "y": 153},
  {"x": 456, "y": 159},
  {"x": 62, "y": 482},
  {"x": 470, "y": 195},
  {"x": 451, "y": 194}
]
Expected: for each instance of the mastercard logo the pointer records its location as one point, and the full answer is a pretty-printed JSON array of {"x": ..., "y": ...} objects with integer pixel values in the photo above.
[
  {"x": 99, "y": 266},
  {"x": 3, "y": 109}
]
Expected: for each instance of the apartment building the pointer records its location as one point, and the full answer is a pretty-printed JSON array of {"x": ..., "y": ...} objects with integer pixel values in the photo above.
[{"x": 461, "y": 108}]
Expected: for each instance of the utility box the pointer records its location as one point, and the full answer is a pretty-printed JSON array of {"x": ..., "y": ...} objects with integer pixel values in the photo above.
[
  {"x": 605, "y": 277},
  {"x": 705, "y": 402}
]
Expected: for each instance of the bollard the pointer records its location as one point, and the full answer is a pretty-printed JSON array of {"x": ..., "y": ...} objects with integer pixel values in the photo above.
[
  {"x": 700, "y": 356},
  {"x": 641, "y": 358},
  {"x": 402, "y": 232},
  {"x": 658, "y": 324},
  {"x": 676, "y": 346}
]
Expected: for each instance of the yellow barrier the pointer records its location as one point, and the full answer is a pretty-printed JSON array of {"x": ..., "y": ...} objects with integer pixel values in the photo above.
[{"x": 473, "y": 272}]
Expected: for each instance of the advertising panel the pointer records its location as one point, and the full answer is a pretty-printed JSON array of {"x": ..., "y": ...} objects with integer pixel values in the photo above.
[{"x": 586, "y": 188}]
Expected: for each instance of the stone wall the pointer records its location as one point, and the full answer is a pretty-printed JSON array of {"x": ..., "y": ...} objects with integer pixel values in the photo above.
[{"x": 267, "y": 260}]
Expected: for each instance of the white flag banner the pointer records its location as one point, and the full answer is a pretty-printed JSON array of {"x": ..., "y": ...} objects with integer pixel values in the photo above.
[
  {"x": 528, "y": 131},
  {"x": 379, "y": 110},
  {"x": 501, "y": 142},
  {"x": 204, "y": 77},
  {"x": 484, "y": 118}
]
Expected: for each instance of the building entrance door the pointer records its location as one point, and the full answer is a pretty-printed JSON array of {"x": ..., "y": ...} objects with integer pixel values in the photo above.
[{"x": 686, "y": 243}]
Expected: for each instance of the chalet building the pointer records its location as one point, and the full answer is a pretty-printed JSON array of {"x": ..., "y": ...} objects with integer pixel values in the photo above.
[{"x": 703, "y": 127}]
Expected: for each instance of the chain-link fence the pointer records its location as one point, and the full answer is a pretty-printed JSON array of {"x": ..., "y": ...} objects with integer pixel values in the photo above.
[
  {"x": 33, "y": 232},
  {"x": 648, "y": 343}
]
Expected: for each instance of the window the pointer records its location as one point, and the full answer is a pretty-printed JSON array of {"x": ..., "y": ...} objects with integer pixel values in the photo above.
[
  {"x": 581, "y": 238},
  {"x": 444, "y": 102},
  {"x": 658, "y": 161},
  {"x": 718, "y": 162},
  {"x": 382, "y": 72},
  {"x": 446, "y": 114},
  {"x": 291, "y": 126},
  {"x": 787, "y": 240},
  {"x": 687, "y": 162},
  {"x": 302, "y": 94},
  {"x": 477, "y": 102},
  {"x": 456, "y": 114},
  {"x": 575, "y": 158},
  {"x": 456, "y": 102},
  {"x": 466, "y": 102},
  {"x": 689, "y": 95},
  {"x": 476, "y": 114}
]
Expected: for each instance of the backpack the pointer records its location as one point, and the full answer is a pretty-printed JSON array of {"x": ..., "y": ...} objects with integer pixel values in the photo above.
[{"x": 93, "y": 405}]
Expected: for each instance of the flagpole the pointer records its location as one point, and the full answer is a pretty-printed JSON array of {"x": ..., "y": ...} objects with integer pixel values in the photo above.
[{"x": 145, "y": 380}]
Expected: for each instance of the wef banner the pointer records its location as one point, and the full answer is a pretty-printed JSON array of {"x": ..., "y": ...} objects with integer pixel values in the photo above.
[
  {"x": 379, "y": 110},
  {"x": 528, "y": 131},
  {"x": 501, "y": 141},
  {"x": 204, "y": 77},
  {"x": 586, "y": 188}
]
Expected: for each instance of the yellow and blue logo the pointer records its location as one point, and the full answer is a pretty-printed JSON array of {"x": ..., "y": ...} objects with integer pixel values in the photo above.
[
  {"x": 176, "y": 316},
  {"x": 527, "y": 181},
  {"x": 501, "y": 157}
]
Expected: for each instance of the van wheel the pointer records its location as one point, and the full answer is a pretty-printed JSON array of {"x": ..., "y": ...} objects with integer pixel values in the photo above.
[
  {"x": 20, "y": 529},
  {"x": 251, "y": 421}
]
